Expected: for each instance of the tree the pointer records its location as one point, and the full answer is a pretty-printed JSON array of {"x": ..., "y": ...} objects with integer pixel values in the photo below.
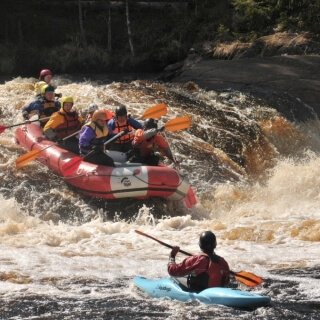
[
  {"x": 82, "y": 31},
  {"x": 129, "y": 29}
]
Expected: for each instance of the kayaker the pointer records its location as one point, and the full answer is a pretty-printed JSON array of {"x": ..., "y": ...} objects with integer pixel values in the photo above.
[
  {"x": 45, "y": 105},
  {"x": 64, "y": 123},
  {"x": 146, "y": 140},
  {"x": 122, "y": 121},
  {"x": 202, "y": 271},
  {"x": 44, "y": 78},
  {"x": 92, "y": 137}
]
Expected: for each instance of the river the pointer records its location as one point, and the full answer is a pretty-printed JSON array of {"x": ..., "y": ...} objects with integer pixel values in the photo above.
[{"x": 256, "y": 177}]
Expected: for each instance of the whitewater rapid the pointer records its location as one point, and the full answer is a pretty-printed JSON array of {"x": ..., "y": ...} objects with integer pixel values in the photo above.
[{"x": 256, "y": 178}]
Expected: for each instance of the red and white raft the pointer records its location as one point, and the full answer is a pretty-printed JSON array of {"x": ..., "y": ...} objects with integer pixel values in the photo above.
[{"x": 126, "y": 180}]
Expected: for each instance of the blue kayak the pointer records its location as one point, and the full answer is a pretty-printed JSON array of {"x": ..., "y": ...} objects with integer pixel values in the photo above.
[{"x": 168, "y": 288}]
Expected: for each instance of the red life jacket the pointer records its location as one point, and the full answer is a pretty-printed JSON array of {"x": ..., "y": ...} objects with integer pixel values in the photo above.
[
  {"x": 218, "y": 272},
  {"x": 217, "y": 275},
  {"x": 70, "y": 125}
]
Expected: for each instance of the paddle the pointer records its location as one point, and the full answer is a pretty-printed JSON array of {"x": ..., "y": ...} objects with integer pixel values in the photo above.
[
  {"x": 31, "y": 155},
  {"x": 3, "y": 128},
  {"x": 178, "y": 124},
  {"x": 247, "y": 278},
  {"x": 155, "y": 111},
  {"x": 74, "y": 163}
]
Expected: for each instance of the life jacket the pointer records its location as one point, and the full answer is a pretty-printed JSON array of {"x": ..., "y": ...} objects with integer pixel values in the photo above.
[
  {"x": 109, "y": 115},
  {"x": 145, "y": 146},
  {"x": 70, "y": 125},
  {"x": 120, "y": 127},
  {"x": 100, "y": 134},
  {"x": 217, "y": 274},
  {"x": 218, "y": 271}
]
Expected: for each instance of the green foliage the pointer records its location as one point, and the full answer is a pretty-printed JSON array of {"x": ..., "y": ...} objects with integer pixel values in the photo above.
[{"x": 263, "y": 15}]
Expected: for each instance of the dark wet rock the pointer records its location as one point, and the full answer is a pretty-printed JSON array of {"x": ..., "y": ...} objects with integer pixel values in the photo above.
[{"x": 293, "y": 82}]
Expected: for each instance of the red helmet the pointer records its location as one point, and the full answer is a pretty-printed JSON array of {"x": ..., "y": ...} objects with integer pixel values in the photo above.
[{"x": 45, "y": 72}]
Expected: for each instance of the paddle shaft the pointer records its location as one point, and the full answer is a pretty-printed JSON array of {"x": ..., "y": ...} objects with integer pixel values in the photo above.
[
  {"x": 237, "y": 275},
  {"x": 2, "y": 128},
  {"x": 106, "y": 143}
]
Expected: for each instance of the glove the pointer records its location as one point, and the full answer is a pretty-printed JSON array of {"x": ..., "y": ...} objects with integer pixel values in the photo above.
[
  {"x": 25, "y": 115},
  {"x": 58, "y": 95},
  {"x": 161, "y": 129},
  {"x": 125, "y": 131},
  {"x": 174, "y": 251}
]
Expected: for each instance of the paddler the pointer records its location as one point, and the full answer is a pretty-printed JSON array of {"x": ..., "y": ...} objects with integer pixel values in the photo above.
[
  {"x": 92, "y": 137},
  {"x": 202, "y": 271},
  {"x": 122, "y": 122},
  {"x": 44, "y": 106},
  {"x": 45, "y": 77},
  {"x": 146, "y": 140},
  {"x": 64, "y": 123}
]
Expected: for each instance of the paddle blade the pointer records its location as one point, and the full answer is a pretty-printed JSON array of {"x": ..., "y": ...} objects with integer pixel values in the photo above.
[
  {"x": 178, "y": 123},
  {"x": 190, "y": 199},
  {"x": 31, "y": 155},
  {"x": 2, "y": 128},
  {"x": 70, "y": 166},
  {"x": 247, "y": 278},
  {"x": 155, "y": 111}
]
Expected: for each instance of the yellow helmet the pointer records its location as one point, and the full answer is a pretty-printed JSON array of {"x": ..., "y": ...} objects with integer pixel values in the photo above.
[
  {"x": 99, "y": 115},
  {"x": 38, "y": 86},
  {"x": 66, "y": 99},
  {"x": 47, "y": 88}
]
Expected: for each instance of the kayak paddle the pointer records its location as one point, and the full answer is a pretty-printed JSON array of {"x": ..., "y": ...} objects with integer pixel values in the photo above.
[
  {"x": 247, "y": 278},
  {"x": 31, "y": 155},
  {"x": 3, "y": 128}
]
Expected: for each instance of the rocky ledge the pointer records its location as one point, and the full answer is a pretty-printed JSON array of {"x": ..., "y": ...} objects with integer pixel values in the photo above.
[{"x": 283, "y": 69}]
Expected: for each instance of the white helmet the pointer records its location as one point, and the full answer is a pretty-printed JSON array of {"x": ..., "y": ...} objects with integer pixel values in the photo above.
[{"x": 93, "y": 107}]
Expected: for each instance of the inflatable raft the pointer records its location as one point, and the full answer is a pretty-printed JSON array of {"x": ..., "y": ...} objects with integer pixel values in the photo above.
[
  {"x": 170, "y": 289},
  {"x": 126, "y": 180}
]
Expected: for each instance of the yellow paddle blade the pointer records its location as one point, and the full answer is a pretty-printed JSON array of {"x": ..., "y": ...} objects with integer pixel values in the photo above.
[
  {"x": 247, "y": 278},
  {"x": 178, "y": 123},
  {"x": 155, "y": 111},
  {"x": 31, "y": 155}
]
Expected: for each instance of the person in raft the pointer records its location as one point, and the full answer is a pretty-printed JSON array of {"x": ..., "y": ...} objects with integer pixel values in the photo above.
[
  {"x": 64, "y": 123},
  {"x": 203, "y": 271},
  {"x": 45, "y": 105},
  {"x": 92, "y": 137},
  {"x": 93, "y": 107},
  {"x": 146, "y": 140},
  {"x": 44, "y": 78},
  {"x": 122, "y": 121}
]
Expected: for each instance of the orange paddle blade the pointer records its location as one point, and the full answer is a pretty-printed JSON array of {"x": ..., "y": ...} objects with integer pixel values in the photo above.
[
  {"x": 247, "y": 278},
  {"x": 70, "y": 166},
  {"x": 155, "y": 111},
  {"x": 178, "y": 123},
  {"x": 31, "y": 155}
]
